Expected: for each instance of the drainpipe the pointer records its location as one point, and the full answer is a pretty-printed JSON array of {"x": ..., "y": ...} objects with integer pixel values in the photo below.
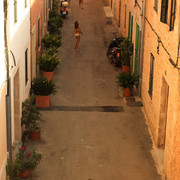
[
  {"x": 8, "y": 98},
  {"x": 143, "y": 10}
]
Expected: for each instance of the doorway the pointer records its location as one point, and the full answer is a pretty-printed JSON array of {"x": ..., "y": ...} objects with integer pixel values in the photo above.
[
  {"x": 163, "y": 114},
  {"x": 17, "y": 119}
]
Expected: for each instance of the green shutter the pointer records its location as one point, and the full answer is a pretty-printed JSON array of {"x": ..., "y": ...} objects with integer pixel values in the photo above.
[
  {"x": 129, "y": 28},
  {"x": 136, "y": 51}
]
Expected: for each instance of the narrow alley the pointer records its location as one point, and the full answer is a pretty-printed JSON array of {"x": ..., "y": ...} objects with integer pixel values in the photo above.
[{"x": 81, "y": 140}]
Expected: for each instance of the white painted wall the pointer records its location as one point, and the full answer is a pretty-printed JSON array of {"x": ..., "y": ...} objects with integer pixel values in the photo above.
[
  {"x": 19, "y": 41},
  {"x": 3, "y": 140}
]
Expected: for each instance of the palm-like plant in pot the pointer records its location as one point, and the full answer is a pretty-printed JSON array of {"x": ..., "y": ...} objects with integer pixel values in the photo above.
[
  {"x": 42, "y": 88},
  {"x": 48, "y": 61},
  {"x": 127, "y": 81},
  {"x": 52, "y": 40},
  {"x": 30, "y": 118},
  {"x": 126, "y": 47}
]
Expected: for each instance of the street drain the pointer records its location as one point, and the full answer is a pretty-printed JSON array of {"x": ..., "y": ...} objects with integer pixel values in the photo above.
[{"x": 86, "y": 108}]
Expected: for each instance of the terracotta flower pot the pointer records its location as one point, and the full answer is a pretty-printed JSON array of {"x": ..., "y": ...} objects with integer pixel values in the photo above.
[
  {"x": 24, "y": 173},
  {"x": 42, "y": 101},
  {"x": 127, "y": 92},
  {"x": 125, "y": 68},
  {"x": 35, "y": 135},
  {"x": 49, "y": 75}
]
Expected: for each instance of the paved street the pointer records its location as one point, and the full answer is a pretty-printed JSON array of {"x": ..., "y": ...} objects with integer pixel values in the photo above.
[{"x": 80, "y": 139}]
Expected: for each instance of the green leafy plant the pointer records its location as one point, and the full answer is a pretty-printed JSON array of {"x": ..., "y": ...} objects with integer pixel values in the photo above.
[
  {"x": 41, "y": 86},
  {"x": 48, "y": 60},
  {"x": 126, "y": 47},
  {"x": 28, "y": 160},
  {"x": 52, "y": 13},
  {"x": 52, "y": 40},
  {"x": 13, "y": 170},
  {"x": 125, "y": 58},
  {"x": 56, "y": 5},
  {"x": 54, "y": 23},
  {"x": 30, "y": 115},
  {"x": 126, "y": 80},
  {"x": 23, "y": 160}
]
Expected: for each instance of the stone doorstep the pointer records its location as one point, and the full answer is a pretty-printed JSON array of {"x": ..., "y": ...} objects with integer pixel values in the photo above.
[
  {"x": 133, "y": 101},
  {"x": 108, "y": 12}
]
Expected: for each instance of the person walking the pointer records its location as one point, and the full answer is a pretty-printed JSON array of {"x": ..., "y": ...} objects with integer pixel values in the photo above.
[{"x": 77, "y": 31}]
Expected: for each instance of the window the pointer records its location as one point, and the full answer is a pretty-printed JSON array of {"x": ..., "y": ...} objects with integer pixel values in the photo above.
[
  {"x": 130, "y": 29},
  {"x": 172, "y": 14},
  {"x": 164, "y": 10},
  {"x": 38, "y": 32},
  {"x": 156, "y": 5},
  {"x": 25, "y": 3},
  {"x": 44, "y": 11},
  {"x": 49, "y": 4},
  {"x": 151, "y": 72},
  {"x": 26, "y": 66},
  {"x": 125, "y": 16},
  {"x": 15, "y": 11}
]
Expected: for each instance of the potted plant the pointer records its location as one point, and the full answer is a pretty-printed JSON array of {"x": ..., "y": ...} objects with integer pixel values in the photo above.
[
  {"x": 30, "y": 117},
  {"x": 54, "y": 23},
  {"x": 13, "y": 170},
  {"x": 42, "y": 88},
  {"x": 127, "y": 81},
  {"x": 23, "y": 163},
  {"x": 52, "y": 40},
  {"x": 48, "y": 61},
  {"x": 126, "y": 47}
]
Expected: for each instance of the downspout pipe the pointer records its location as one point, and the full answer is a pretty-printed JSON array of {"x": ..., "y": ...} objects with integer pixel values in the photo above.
[
  {"x": 8, "y": 97},
  {"x": 142, "y": 26}
]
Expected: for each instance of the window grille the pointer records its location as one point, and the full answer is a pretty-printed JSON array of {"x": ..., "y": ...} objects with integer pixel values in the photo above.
[
  {"x": 25, "y": 3},
  {"x": 38, "y": 32},
  {"x": 156, "y": 5},
  {"x": 172, "y": 14},
  {"x": 44, "y": 11},
  {"x": 151, "y": 74},
  {"x": 164, "y": 10},
  {"x": 26, "y": 66},
  {"x": 15, "y": 11},
  {"x": 125, "y": 16}
]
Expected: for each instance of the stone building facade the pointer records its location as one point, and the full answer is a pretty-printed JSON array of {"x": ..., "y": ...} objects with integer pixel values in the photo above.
[
  {"x": 154, "y": 29},
  {"x": 160, "y": 80}
]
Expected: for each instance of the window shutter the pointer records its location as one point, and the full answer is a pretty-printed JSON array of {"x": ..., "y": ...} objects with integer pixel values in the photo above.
[
  {"x": 38, "y": 32},
  {"x": 151, "y": 75},
  {"x": 25, "y": 3},
  {"x": 125, "y": 16},
  {"x": 129, "y": 29},
  {"x": 164, "y": 8},
  {"x": 172, "y": 15},
  {"x": 15, "y": 11},
  {"x": 156, "y": 5},
  {"x": 26, "y": 66}
]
